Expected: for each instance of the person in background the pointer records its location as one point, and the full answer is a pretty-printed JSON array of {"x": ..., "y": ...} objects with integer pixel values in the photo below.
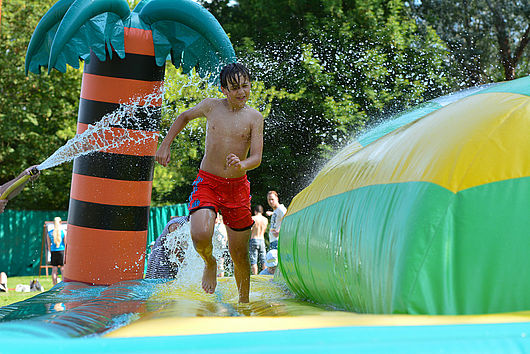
[
  {"x": 3, "y": 283},
  {"x": 271, "y": 263},
  {"x": 33, "y": 173},
  {"x": 276, "y": 215},
  {"x": 257, "y": 240},
  {"x": 56, "y": 243},
  {"x": 159, "y": 265}
]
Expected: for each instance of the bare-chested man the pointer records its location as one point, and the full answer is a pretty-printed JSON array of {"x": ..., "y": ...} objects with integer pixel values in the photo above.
[
  {"x": 257, "y": 240},
  {"x": 234, "y": 144}
]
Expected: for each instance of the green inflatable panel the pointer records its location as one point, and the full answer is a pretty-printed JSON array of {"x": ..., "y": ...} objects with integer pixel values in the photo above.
[{"x": 426, "y": 214}]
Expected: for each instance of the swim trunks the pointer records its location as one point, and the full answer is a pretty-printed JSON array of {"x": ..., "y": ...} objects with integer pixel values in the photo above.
[
  {"x": 256, "y": 249},
  {"x": 230, "y": 196}
]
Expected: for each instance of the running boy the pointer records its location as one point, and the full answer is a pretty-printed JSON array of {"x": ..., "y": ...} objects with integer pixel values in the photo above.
[{"x": 234, "y": 144}]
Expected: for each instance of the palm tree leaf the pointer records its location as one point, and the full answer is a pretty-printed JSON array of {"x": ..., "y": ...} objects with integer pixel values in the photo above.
[
  {"x": 73, "y": 28},
  {"x": 41, "y": 41},
  {"x": 189, "y": 34},
  {"x": 95, "y": 25}
]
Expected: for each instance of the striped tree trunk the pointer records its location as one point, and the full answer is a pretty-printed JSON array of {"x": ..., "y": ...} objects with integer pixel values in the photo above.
[{"x": 111, "y": 190}]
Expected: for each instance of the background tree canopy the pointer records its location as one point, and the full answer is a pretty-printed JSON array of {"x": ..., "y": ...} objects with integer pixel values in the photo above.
[
  {"x": 322, "y": 71},
  {"x": 487, "y": 39},
  {"x": 38, "y": 114}
]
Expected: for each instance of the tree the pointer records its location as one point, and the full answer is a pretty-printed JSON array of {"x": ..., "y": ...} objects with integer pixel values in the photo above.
[
  {"x": 352, "y": 62},
  {"x": 38, "y": 113},
  {"x": 488, "y": 39}
]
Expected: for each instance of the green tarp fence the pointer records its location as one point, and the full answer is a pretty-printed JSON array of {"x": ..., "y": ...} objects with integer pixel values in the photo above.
[{"x": 21, "y": 235}]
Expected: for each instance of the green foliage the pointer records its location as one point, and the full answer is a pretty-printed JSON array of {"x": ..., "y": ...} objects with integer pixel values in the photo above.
[
  {"x": 38, "y": 113},
  {"x": 172, "y": 184},
  {"x": 322, "y": 71},
  {"x": 488, "y": 39},
  {"x": 352, "y": 62}
]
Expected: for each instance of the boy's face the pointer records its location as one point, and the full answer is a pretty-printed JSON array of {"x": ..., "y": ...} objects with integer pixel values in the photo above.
[{"x": 237, "y": 92}]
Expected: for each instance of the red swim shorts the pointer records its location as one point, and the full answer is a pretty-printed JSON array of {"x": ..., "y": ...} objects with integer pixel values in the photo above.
[{"x": 230, "y": 196}]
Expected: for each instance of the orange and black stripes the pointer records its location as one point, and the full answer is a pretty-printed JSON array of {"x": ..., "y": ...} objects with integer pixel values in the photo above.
[
  {"x": 115, "y": 166},
  {"x": 111, "y": 189},
  {"x": 108, "y": 217},
  {"x": 131, "y": 67},
  {"x": 118, "y": 90},
  {"x": 141, "y": 118},
  {"x": 134, "y": 142}
]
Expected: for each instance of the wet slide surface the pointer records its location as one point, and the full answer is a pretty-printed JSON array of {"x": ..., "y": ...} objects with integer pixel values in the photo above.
[{"x": 139, "y": 316}]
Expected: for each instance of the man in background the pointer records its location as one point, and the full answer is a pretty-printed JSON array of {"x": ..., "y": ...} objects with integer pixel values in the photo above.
[{"x": 276, "y": 215}]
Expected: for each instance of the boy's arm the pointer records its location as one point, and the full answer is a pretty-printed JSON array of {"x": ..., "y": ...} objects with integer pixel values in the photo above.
[
  {"x": 256, "y": 147},
  {"x": 163, "y": 154}
]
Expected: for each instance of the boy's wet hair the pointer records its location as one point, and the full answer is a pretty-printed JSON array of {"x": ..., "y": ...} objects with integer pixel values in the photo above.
[
  {"x": 231, "y": 73},
  {"x": 258, "y": 209}
]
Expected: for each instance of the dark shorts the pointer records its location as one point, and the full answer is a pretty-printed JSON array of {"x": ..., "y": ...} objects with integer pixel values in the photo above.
[
  {"x": 57, "y": 258},
  {"x": 256, "y": 249},
  {"x": 230, "y": 196}
]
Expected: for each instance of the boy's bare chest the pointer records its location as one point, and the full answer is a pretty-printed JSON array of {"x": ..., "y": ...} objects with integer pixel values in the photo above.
[{"x": 237, "y": 128}]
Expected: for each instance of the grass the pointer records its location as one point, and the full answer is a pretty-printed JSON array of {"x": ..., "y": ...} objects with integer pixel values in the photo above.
[{"x": 12, "y": 296}]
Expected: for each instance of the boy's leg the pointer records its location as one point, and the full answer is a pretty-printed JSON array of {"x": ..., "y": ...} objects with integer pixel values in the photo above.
[
  {"x": 202, "y": 224},
  {"x": 238, "y": 245}
]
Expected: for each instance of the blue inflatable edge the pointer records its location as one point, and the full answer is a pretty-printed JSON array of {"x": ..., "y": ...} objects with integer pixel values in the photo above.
[{"x": 483, "y": 338}]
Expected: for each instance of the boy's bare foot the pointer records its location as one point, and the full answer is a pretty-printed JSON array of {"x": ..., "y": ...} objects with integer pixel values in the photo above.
[{"x": 209, "y": 277}]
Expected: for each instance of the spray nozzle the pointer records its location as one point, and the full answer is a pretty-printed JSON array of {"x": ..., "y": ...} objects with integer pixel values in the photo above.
[{"x": 34, "y": 171}]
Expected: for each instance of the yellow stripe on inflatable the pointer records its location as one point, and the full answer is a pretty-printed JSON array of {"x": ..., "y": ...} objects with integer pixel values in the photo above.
[
  {"x": 474, "y": 141},
  {"x": 182, "y": 326}
]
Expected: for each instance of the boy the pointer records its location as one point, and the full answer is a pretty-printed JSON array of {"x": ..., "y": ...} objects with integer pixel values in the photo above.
[{"x": 234, "y": 144}]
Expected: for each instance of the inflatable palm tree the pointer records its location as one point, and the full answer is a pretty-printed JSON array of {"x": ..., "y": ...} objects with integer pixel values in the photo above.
[{"x": 124, "y": 54}]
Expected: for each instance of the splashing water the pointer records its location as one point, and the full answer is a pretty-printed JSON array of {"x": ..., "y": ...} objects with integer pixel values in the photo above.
[
  {"x": 184, "y": 257},
  {"x": 190, "y": 265},
  {"x": 109, "y": 133}
]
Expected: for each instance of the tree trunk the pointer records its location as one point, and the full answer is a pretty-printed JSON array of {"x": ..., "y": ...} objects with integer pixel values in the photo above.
[{"x": 111, "y": 190}]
